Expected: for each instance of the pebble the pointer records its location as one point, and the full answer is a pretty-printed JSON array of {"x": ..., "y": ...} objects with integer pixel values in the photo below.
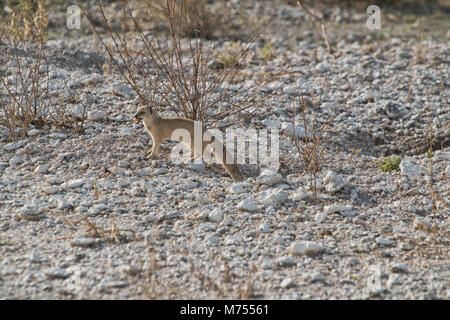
[
  {"x": 51, "y": 189},
  {"x": 286, "y": 262},
  {"x": 237, "y": 188},
  {"x": 307, "y": 248},
  {"x": 216, "y": 215},
  {"x": 56, "y": 273},
  {"x": 384, "y": 241},
  {"x": 43, "y": 168},
  {"x": 399, "y": 268},
  {"x": 300, "y": 195},
  {"x": 199, "y": 167},
  {"x": 160, "y": 171},
  {"x": 264, "y": 228},
  {"x": 247, "y": 205},
  {"x": 124, "y": 164},
  {"x": 33, "y": 132},
  {"x": 336, "y": 208},
  {"x": 287, "y": 283},
  {"x": 409, "y": 168},
  {"x": 16, "y": 161},
  {"x": 96, "y": 115},
  {"x": 72, "y": 184},
  {"x": 13, "y": 146},
  {"x": 269, "y": 177},
  {"x": 272, "y": 197},
  {"x": 83, "y": 242}
]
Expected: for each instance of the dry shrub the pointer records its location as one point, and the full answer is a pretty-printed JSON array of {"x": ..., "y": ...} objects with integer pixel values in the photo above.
[
  {"x": 172, "y": 72},
  {"x": 24, "y": 92},
  {"x": 313, "y": 145},
  {"x": 28, "y": 96},
  {"x": 24, "y": 19}
]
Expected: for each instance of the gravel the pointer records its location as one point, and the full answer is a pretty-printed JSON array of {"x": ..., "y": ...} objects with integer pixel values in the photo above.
[{"x": 85, "y": 215}]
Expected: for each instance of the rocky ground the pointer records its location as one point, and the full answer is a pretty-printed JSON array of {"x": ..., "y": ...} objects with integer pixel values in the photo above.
[{"x": 84, "y": 215}]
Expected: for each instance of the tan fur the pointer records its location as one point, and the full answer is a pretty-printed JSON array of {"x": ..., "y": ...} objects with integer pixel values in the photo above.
[{"x": 161, "y": 128}]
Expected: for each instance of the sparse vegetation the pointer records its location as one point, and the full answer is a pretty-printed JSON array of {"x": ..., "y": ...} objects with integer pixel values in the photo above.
[
  {"x": 389, "y": 164},
  {"x": 267, "y": 52},
  {"x": 24, "y": 19},
  {"x": 175, "y": 74},
  {"x": 312, "y": 145}
]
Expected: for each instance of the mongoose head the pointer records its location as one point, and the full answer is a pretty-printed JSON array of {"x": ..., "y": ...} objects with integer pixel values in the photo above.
[{"x": 143, "y": 112}]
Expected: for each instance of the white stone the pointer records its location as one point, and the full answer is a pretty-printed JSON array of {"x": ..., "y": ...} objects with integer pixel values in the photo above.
[
  {"x": 226, "y": 221},
  {"x": 56, "y": 273},
  {"x": 308, "y": 248},
  {"x": 75, "y": 183},
  {"x": 124, "y": 164},
  {"x": 300, "y": 194},
  {"x": 287, "y": 283},
  {"x": 384, "y": 241},
  {"x": 120, "y": 90},
  {"x": 58, "y": 136},
  {"x": 123, "y": 183},
  {"x": 83, "y": 242},
  {"x": 399, "y": 268},
  {"x": 127, "y": 131},
  {"x": 273, "y": 197},
  {"x": 94, "y": 78},
  {"x": 13, "y": 146},
  {"x": 159, "y": 171},
  {"x": 43, "y": 168},
  {"x": 51, "y": 189},
  {"x": 247, "y": 205},
  {"x": 237, "y": 188},
  {"x": 348, "y": 213},
  {"x": 33, "y": 132},
  {"x": 216, "y": 215},
  {"x": 199, "y": 167},
  {"x": 62, "y": 204},
  {"x": 269, "y": 177},
  {"x": 290, "y": 89},
  {"x": 409, "y": 168},
  {"x": 334, "y": 182},
  {"x": 336, "y": 208},
  {"x": 16, "y": 161},
  {"x": 54, "y": 180},
  {"x": 264, "y": 228},
  {"x": 96, "y": 115},
  {"x": 271, "y": 123},
  {"x": 320, "y": 217}
]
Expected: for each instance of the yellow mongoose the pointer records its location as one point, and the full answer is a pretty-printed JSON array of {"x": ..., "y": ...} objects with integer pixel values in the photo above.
[{"x": 161, "y": 128}]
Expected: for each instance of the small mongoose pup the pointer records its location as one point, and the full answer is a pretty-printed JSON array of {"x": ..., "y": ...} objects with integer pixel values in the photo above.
[{"x": 161, "y": 128}]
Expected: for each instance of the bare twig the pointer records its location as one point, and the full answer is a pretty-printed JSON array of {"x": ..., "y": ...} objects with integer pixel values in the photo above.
[{"x": 322, "y": 23}]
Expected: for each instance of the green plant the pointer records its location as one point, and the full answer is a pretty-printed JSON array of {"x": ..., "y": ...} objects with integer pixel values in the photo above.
[
  {"x": 227, "y": 61},
  {"x": 267, "y": 52},
  {"x": 389, "y": 164}
]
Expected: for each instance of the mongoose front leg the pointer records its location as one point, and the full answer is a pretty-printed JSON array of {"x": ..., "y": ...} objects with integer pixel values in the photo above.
[{"x": 155, "y": 148}]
